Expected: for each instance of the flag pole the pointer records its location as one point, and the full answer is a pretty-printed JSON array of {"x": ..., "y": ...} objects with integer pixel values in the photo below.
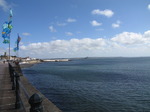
[
  {"x": 9, "y": 50},
  {"x": 10, "y": 18},
  {"x": 18, "y": 53},
  {"x": 17, "y": 50}
]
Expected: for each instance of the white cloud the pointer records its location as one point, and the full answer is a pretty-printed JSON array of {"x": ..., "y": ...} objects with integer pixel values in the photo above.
[
  {"x": 78, "y": 32},
  {"x": 116, "y": 25},
  {"x": 128, "y": 38},
  {"x": 61, "y": 24},
  {"x": 148, "y": 6},
  {"x": 52, "y": 29},
  {"x": 4, "y": 5},
  {"x": 106, "y": 12},
  {"x": 147, "y": 34},
  {"x": 70, "y": 20},
  {"x": 123, "y": 44},
  {"x": 95, "y": 23},
  {"x": 69, "y": 33},
  {"x": 26, "y": 34},
  {"x": 100, "y": 29},
  {"x": 62, "y": 48},
  {"x": 2, "y": 50}
]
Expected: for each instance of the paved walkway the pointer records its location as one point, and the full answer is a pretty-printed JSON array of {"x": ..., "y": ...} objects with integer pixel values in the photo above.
[{"x": 7, "y": 95}]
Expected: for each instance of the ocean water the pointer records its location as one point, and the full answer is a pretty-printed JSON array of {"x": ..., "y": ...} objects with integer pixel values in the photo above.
[{"x": 95, "y": 84}]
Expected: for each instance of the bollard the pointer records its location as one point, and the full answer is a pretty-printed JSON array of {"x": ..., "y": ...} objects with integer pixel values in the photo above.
[{"x": 36, "y": 103}]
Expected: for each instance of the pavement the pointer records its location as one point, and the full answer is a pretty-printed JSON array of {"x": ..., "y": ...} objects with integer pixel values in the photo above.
[{"x": 7, "y": 95}]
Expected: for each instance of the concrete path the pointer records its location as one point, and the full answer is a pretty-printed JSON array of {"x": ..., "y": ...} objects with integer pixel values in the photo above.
[{"x": 7, "y": 95}]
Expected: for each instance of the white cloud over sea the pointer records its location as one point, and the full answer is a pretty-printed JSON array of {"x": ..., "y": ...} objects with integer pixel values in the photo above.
[
  {"x": 123, "y": 44},
  {"x": 148, "y": 6},
  {"x": 116, "y": 24},
  {"x": 95, "y": 23},
  {"x": 71, "y": 20},
  {"x": 26, "y": 34},
  {"x": 106, "y": 12},
  {"x": 52, "y": 29},
  {"x": 69, "y": 33}
]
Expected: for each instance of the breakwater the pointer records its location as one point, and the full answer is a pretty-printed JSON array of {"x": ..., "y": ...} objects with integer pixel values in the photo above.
[{"x": 28, "y": 98}]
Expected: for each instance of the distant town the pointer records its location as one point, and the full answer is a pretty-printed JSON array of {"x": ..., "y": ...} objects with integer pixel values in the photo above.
[{"x": 28, "y": 60}]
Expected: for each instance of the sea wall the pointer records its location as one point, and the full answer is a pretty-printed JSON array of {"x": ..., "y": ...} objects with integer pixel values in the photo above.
[{"x": 26, "y": 90}]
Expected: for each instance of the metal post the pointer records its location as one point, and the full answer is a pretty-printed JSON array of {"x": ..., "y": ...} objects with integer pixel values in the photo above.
[
  {"x": 9, "y": 50},
  {"x": 11, "y": 72},
  {"x": 17, "y": 104},
  {"x": 13, "y": 80}
]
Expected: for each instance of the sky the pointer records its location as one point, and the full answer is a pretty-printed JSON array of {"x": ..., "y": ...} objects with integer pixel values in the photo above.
[{"x": 78, "y": 28}]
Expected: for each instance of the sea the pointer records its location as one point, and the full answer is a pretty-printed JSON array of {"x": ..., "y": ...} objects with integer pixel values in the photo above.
[{"x": 112, "y": 84}]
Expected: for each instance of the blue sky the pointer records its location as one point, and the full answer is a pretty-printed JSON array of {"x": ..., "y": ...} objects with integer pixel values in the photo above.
[{"x": 78, "y": 28}]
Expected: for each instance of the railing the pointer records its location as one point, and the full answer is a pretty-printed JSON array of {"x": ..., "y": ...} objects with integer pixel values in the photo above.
[{"x": 35, "y": 100}]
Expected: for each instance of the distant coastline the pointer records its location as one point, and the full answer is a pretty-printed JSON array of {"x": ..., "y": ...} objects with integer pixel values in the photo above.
[{"x": 30, "y": 63}]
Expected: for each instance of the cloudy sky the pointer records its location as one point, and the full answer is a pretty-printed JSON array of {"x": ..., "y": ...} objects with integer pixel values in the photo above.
[{"x": 78, "y": 28}]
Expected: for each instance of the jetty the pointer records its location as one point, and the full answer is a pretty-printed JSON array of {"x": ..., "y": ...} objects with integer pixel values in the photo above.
[
  {"x": 7, "y": 95},
  {"x": 18, "y": 95},
  {"x": 55, "y": 60}
]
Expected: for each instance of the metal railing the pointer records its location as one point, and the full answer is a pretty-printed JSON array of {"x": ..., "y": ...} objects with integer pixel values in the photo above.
[{"x": 35, "y": 100}]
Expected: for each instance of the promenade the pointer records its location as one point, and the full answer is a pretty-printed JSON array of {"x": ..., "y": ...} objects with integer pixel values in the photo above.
[{"x": 7, "y": 95}]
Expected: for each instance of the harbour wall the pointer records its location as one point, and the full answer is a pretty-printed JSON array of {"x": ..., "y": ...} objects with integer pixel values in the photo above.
[{"x": 26, "y": 90}]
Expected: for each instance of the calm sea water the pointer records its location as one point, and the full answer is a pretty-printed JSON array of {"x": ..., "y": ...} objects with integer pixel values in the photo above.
[{"x": 95, "y": 84}]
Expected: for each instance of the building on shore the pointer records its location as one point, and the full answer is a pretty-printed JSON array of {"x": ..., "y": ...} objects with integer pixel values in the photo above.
[{"x": 6, "y": 57}]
